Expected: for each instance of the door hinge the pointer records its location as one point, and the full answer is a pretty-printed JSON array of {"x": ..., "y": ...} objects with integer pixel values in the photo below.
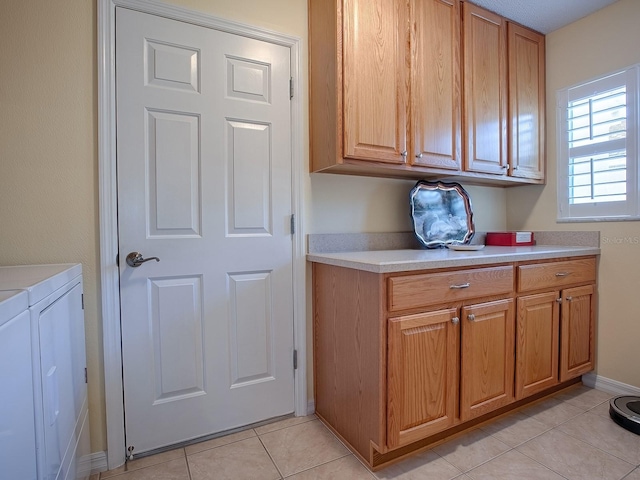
[
  {"x": 293, "y": 223},
  {"x": 290, "y": 88},
  {"x": 82, "y": 300},
  {"x": 86, "y": 377},
  {"x": 295, "y": 359}
]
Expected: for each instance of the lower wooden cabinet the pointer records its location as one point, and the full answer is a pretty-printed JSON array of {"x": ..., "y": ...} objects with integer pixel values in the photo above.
[
  {"x": 422, "y": 375},
  {"x": 577, "y": 333},
  {"x": 537, "y": 335},
  {"x": 567, "y": 309},
  {"x": 403, "y": 359},
  {"x": 487, "y": 358}
]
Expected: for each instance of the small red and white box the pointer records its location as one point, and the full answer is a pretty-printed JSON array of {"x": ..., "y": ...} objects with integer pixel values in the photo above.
[{"x": 510, "y": 239}]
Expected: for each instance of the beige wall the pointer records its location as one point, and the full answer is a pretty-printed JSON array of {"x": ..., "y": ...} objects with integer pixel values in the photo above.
[
  {"x": 48, "y": 159},
  {"x": 595, "y": 45},
  {"x": 48, "y": 152}
]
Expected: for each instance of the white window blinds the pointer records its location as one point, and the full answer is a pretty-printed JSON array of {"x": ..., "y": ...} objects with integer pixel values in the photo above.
[{"x": 597, "y": 148}]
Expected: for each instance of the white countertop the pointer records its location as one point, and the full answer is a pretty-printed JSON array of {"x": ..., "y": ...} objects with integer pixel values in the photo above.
[{"x": 388, "y": 261}]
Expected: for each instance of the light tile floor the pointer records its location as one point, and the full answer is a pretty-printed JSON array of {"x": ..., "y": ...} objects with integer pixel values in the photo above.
[{"x": 568, "y": 436}]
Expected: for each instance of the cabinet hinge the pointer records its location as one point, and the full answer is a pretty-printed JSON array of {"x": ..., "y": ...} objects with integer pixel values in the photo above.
[
  {"x": 295, "y": 359},
  {"x": 290, "y": 88},
  {"x": 293, "y": 223}
]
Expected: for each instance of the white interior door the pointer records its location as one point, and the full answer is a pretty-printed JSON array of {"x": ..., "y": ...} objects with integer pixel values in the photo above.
[{"x": 204, "y": 184}]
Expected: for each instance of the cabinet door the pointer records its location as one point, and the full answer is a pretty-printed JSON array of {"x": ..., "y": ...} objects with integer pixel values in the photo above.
[
  {"x": 538, "y": 329},
  {"x": 526, "y": 102},
  {"x": 421, "y": 375},
  {"x": 435, "y": 83},
  {"x": 485, "y": 90},
  {"x": 577, "y": 335},
  {"x": 487, "y": 358},
  {"x": 374, "y": 81}
]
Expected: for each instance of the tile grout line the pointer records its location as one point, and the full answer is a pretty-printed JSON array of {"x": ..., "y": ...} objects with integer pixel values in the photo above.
[
  {"x": 575, "y": 438},
  {"x": 270, "y": 457},
  {"x": 595, "y": 446},
  {"x": 222, "y": 445},
  {"x": 186, "y": 460}
]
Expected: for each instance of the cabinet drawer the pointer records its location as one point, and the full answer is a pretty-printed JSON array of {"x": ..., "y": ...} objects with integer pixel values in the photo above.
[
  {"x": 413, "y": 291},
  {"x": 556, "y": 274}
]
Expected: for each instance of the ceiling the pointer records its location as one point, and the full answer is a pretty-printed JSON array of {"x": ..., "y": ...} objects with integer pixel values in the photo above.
[{"x": 543, "y": 15}]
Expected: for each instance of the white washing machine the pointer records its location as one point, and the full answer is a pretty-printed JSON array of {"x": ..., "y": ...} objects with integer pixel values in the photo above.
[
  {"x": 17, "y": 428},
  {"x": 56, "y": 317}
]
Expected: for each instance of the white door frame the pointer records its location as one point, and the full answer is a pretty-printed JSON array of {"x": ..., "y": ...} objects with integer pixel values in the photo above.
[{"x": 108, "y": 197}]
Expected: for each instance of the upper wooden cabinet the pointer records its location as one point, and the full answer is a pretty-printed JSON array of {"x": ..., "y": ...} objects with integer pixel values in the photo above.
[
  {"x": 374, "y": 85},
  {"x": 436, "y": 108},
  {"x": 388, "y": 96},
  {"x": 485, "y": 91},
  {"x": 526, "y": 103}
]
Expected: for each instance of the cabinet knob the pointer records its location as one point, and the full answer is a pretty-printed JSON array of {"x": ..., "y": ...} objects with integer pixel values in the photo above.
[
  {"x": 569, "y": 299},
  {"x": 471, "y": 317},
  {"x": 506, "y": 166},
  {"x": 419, "y": 155},
  {"x": 559, "y": 300},
  {"x": 455, "y": 320},
  {"x": 404, "y": 154}
]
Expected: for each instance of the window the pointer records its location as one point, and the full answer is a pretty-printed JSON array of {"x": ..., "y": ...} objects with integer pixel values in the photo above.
[{"x": 598, "y": 149}]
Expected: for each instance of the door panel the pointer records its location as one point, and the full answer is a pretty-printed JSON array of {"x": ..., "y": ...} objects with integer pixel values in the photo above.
[
  {"x": 249, "y": 186},
  {"x": 176, "y": 323},
  {"x": 172, "y": 66},
  {"x": 173, "y": 173},
  {"x": 204, "y": 183},
  {"x": 251, "y": 324}
]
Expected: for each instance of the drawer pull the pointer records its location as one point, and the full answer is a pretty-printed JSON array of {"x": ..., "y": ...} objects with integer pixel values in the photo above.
[
  {"x": 455, "y": 320},
  {"x": 462, "y": 285},
  {"x": 563, "y": 274},
  {"x": 471, "y": 317}
]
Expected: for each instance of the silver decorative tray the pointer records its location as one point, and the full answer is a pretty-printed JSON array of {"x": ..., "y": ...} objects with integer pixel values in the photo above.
[{"x": 441, "y": 214}]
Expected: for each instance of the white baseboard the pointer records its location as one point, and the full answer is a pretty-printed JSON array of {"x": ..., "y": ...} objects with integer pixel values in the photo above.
[
  {"x": 608, "y": 385},
  {"x": 311, "y": 407},
  {"x": 98, "y": 462}
]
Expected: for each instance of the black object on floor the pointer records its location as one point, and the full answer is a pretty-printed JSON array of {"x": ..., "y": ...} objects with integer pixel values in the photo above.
[{"x": 625, "y": 411}]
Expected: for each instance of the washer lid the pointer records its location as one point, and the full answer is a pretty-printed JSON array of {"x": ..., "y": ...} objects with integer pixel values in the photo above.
[
  {"x": 39, "y": 281},
  {"x": 12, "y": 302}
]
